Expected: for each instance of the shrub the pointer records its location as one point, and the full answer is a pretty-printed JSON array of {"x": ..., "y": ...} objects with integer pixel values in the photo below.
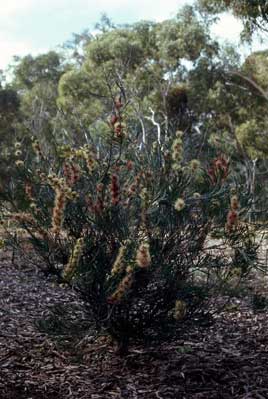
[{"x": 124, "y": 224}]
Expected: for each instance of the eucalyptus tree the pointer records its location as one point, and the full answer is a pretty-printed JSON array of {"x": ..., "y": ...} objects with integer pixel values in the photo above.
[
  {"x": 253, "y": 13},
  {"x": 143, "y": 64}
]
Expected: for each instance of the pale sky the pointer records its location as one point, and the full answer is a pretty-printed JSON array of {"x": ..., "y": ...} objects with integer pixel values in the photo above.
[{"x": 36, "y": 26}]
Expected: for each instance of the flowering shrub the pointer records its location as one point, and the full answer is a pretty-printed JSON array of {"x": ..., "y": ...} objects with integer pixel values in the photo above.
[{"x": 125, "y": 225}]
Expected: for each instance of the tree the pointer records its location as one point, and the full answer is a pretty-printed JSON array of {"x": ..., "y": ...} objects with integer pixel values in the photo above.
[
  {"x": 35, "y": 79},
  {"x": 144, "y": 65},
  {"x": 29, "y": 70},
  {"x": 253, "y": 13}
]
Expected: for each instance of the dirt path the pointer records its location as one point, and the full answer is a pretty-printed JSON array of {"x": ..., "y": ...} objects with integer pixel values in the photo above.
[{"x": 227, "y": 360}]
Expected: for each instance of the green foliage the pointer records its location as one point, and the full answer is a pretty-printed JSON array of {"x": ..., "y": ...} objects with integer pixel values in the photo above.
[
  {"x": 143, "y": 62},
  {"x": 125, "y": 226},
  {"x": 29, "y": 70},
  {"x": 253, "y": 137},
  {"x": 124, "y": 185},
  {"x": 253, "y": 13}
]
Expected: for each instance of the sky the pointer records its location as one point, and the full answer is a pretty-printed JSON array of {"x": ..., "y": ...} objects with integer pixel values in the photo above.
[{"x": 36, "y": 26}]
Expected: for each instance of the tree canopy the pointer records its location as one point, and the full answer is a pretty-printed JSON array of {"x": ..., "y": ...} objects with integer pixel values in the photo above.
[{"x": 253, "y": 13}]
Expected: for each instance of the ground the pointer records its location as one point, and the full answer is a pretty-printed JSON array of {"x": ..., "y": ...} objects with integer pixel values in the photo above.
[{"x": 41, "y": 358}]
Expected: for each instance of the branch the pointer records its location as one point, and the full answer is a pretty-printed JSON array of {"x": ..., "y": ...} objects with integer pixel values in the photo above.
[
  {"x": 143, "y": 131},
  {"x": 261, "y": 91},
  {"x": 152, "y": 119}
]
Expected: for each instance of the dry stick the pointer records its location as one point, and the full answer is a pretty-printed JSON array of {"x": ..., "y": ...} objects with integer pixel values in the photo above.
[
  {"x": 143, "y": 130},
  {"x": 152, "y": 119}
]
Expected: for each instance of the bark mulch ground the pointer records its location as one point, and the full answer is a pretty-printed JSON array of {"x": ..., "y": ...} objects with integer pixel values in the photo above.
[{"x": 226, "y": 360}]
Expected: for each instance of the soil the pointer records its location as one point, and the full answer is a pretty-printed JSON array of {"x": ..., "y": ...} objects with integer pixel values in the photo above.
[{"x": 48, "y": 350}]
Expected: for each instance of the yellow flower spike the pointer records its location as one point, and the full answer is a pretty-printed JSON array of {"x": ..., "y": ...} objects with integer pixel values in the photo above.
[
  {"x": 179, "y": 133},
  {"x": 177, "y": 150},
  {"x": 122, "y": 288},
  {"x": 19, "y": 163},
  {"x": 155, "y": 145},
  {"x": 118, "y": 264},
  {"x": 194, "y": 165},
  {"x": 143, "y": 257},
  {"x": 144, "y": 195},
  {"x": 177, "y": 167},
  {"x": 73, "y": 262},
  {"x": 18, "y": 153},
  {"x": 234, "y": 202},
  {"x": 58, "y": 211},
  {"x": 233, "y": 191},
  {"x": 79, "y": 153},
  {"x": 129, "y": 269},
  {"x": 179, "y": 310},
  {"x": 179, "y": 204}
]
